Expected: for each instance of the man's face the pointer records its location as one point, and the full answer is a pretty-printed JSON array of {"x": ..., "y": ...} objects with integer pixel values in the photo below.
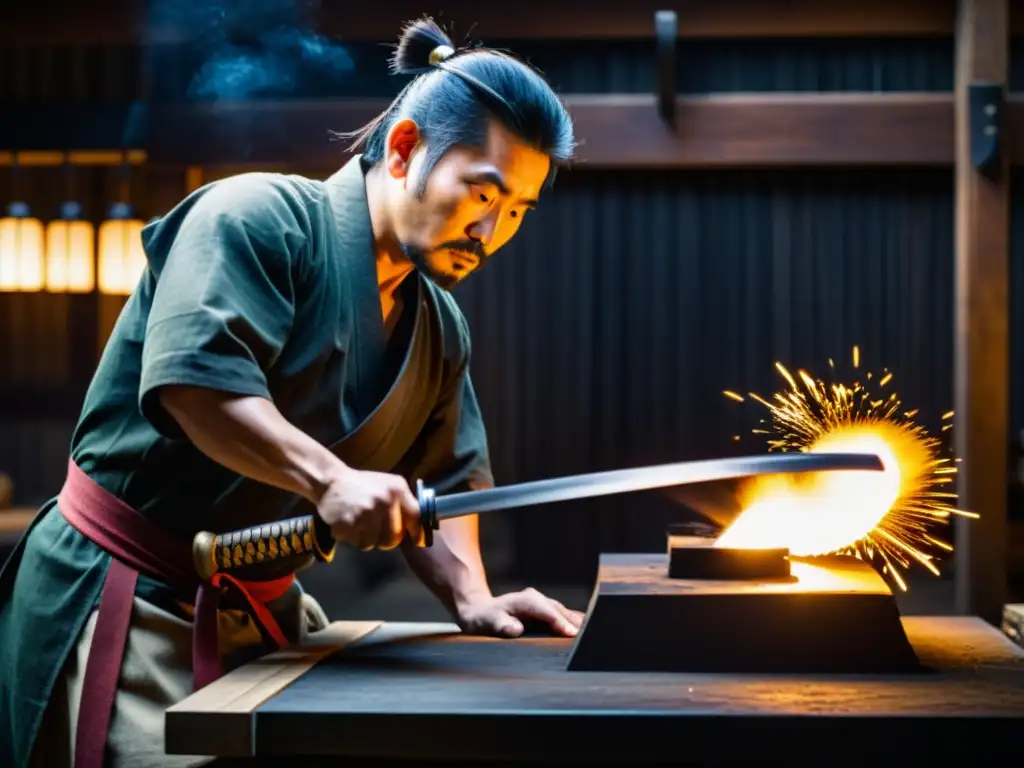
[{"x": 474, "y": 202}]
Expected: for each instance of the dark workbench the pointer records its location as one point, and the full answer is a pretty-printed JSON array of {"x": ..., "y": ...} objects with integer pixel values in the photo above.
[{"x": 421, "y": 691}]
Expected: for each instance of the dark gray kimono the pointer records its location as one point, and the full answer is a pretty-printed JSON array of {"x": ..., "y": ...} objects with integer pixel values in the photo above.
[{"x": 260, "y": 284}]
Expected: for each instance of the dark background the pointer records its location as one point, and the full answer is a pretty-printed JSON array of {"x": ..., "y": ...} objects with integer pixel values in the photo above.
[{"x": 605, "y": 333}]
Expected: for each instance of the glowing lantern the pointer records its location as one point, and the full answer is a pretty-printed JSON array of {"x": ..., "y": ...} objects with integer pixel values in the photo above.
[
  {"x": 70, "y": 263},
  {"x": 21, "y": 250},
  {"x": 122, "y": 259}
]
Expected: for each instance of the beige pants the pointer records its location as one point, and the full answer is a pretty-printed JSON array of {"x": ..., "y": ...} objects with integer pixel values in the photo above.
[{"x": 156, "y": 673}]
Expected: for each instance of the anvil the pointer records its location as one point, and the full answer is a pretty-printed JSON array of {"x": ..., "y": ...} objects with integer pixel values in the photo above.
[{"x": 700, "y": 608}]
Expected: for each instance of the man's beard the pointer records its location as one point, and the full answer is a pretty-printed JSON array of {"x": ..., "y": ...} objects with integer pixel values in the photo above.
[{"x": 447, "y": 282}]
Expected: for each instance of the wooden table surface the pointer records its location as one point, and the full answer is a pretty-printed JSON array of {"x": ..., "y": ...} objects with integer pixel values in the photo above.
[
  {"x": 13, "y": 522},
  {"x": 423, "y": 691}
]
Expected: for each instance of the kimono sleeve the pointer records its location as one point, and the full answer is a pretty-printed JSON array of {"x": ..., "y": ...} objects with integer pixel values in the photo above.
[{"x": 223, "y": 302}]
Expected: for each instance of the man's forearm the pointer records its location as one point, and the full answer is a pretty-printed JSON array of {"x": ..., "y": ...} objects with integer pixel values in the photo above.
[
  {"x": 452, "y": 568},
  {"x": 250, "y": 436}
]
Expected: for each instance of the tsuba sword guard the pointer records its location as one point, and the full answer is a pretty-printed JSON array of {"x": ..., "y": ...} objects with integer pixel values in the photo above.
[{"x": 427, "y": 501}]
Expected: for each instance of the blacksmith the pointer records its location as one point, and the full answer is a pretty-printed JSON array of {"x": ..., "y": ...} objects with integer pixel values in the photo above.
[{"x": 242, "y": 382}]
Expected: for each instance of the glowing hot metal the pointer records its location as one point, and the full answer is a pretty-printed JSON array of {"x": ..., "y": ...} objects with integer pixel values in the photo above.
[{"x": 888, "y": 516}]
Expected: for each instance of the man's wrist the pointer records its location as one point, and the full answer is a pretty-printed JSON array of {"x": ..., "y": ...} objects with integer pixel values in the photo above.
[
  {"x": 462, "y": 585},
  {"x": 464, "y": 596},
  {"x": 452, "y": 568},
  {"x": 318, "y": 473}
]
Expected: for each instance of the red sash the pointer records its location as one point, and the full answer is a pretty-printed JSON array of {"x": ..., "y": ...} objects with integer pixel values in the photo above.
[{"x": 138, "y": 545}]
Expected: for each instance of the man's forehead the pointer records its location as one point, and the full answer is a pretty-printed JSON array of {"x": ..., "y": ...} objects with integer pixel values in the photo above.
[{"x": 516, "y": 166}]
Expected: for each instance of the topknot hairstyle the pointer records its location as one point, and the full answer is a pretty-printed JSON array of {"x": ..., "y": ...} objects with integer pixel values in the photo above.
[{"x": 454, "y": 93}]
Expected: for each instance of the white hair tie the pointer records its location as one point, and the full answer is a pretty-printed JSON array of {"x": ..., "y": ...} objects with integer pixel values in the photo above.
[{"x": 439, "y": 54}]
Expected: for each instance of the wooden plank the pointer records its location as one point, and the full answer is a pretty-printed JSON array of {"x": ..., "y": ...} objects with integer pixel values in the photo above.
[
  {"x": 121, "y": 22},
  {"x": 981, "y": 354},
  {"x": 218, "y": 719},
  {"x": 616, "y": 131}
]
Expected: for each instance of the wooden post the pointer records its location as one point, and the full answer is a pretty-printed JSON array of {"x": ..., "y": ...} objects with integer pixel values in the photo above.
[{"x": 981, "y": 350}]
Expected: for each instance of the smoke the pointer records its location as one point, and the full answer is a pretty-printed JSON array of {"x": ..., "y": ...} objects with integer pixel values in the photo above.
[{"x": 253, "y": 48}]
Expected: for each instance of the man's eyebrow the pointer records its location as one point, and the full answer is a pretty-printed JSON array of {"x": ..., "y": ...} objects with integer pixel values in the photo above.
[
  {"x": 490, "y": 177},
  {"x": 494, "y": 177}
]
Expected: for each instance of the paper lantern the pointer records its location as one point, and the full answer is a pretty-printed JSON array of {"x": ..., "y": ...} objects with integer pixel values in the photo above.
[
  {"x": 70, "y": 252},
  {"x": 122, "y": 259},
  {"x": 21, "y": 250}
]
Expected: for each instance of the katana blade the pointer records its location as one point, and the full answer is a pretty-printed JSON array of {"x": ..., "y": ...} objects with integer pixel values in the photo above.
[
  {"x": 269, "y": 549},
  {"x": 434, "y": 509}
]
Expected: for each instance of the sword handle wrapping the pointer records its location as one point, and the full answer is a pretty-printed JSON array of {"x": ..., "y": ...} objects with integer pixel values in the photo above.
[{"x": 297, "y": 538}]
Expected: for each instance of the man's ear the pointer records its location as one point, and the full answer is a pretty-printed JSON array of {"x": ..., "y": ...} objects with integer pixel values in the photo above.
[{"x": 402, "y": 140}]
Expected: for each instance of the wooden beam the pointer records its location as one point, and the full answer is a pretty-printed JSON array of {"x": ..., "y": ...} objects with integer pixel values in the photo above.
[
  {"x": 56, "y": 127},
  {"x": 765, "y": 129},
  {"x": 125, "y": 22},
  {"x": 610, "y": 19},
  {"x": 616, "y": 132},
  {"x": 981, "y": 397}
]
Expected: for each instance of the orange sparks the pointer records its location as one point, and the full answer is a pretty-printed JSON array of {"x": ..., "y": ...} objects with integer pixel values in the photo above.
[{"x": 887, "y": 515}]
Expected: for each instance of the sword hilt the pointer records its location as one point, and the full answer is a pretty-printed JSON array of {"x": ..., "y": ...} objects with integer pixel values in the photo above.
[{"x": 299, "y": 538}]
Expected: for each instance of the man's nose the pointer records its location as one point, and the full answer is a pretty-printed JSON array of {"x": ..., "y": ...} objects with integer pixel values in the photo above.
[{"x": 483, "y": 231}]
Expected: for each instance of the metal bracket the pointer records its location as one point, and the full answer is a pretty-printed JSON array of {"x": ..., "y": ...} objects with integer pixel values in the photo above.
[
  {"x": 666, "y": 30},
  {"x": 986, "y": 103}
]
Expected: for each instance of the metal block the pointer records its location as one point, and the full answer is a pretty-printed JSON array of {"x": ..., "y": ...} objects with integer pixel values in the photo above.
[{"x": 828, "y": 615}]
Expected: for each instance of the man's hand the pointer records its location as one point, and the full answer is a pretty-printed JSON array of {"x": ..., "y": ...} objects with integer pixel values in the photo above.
[
  {"x": 503, "y": 616},
  {"x": 248, "y": 435},
  {"x": 370, "y": 510}
]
